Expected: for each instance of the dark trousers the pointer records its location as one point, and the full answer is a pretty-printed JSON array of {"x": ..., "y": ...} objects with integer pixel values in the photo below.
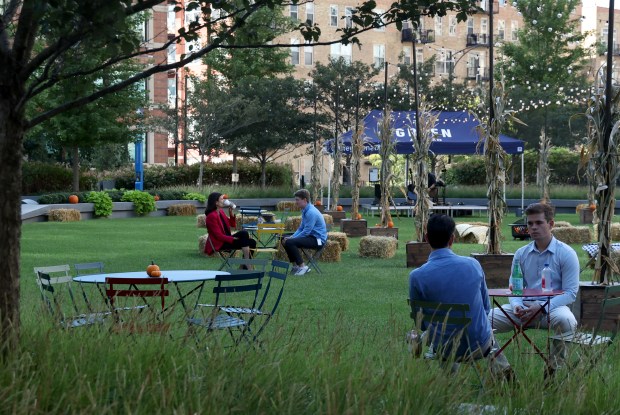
[
  {"x": 243, "y": 240},
  {"x": 292, "y": 245}
]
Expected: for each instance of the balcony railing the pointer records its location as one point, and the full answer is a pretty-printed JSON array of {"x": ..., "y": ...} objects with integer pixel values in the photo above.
[
  {"x": 477, "y": 73},
  {"x": 422, "y": 36},
  {"x": 477, "y": 39}
]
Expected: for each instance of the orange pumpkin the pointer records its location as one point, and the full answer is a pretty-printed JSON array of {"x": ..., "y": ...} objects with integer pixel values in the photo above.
[
  {"x": 593, "y": 207},
  {"x": 339, "y": 208},
  {"x": 73, "y": 199},
  {"x": 156, "y": 197},
  {"x": 155, "y": 274},
  {"x": 390, "y": 224},
  {"x": 359, "y": 216},
  {"x": 152, "y": 268},
  {"x": 318, "y": 203},
  {"x": 225, "y": 196}
]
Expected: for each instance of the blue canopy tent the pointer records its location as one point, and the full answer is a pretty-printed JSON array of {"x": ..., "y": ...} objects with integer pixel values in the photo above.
[{"x": 456, "y": 134}]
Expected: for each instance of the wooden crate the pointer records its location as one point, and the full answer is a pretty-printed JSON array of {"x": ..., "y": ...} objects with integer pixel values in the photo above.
[
  {"x": 354, "y": 227},
  {"x": 585, "y": 216},
  {"x": 417, "y": 253},
  {"x": 497, "y": 268},
  {"x": 378, "y": 231},
  {"x": 336, "y": 215},
  {"x": 587, "y": 308}
]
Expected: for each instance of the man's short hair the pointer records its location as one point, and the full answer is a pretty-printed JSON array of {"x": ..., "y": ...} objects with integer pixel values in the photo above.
[
  {"x": 303, "y": 194},
  {"x": 539, "y": 207},
  {"x": 439, "y": 230}
]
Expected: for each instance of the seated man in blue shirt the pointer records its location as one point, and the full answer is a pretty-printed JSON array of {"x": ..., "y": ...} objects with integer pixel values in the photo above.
[
  {"x": 312, "y": 232},
  {"x": 564, "y": 264},
  {"x": 450, "y": 278}
]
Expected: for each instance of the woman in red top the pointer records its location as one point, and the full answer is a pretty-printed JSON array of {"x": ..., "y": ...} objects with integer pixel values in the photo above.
[{"x": 218, "y": 226}]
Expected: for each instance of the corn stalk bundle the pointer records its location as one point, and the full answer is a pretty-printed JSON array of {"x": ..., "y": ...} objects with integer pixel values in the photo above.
[
  {"x": 387, "y": 151},
  {"x": 602, "y": 170},
  {"x": 496, "y": 162},
  {"x": 335, "y": 182},
  {"x": 428, "y": 120},
  {"x": 543, "y": 172},
  {"x": 357, "y": 151},
  {"x": 315, "y": 171}
]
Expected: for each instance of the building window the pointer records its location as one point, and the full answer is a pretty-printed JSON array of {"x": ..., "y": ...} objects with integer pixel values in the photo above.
[
  {"x": 502, "y": 3},
  {"x": 470, "y": 26},
  {"x": 294, "y": 52},
  {"x": 444, "y": 62},
  {"x": 407, "y": 56},
  {"x": 452, "y": 26},
  {"x": 348, "y": 17},
  {"x": 501, "y": 29},
  {"x": 339, "y": 50},
  {"x": 484, "y": 28},
  {"x": 310, "y": 13},
  {"x": 438, "y": 25},
  {"x": 381, "y": 28},
  {"x": 378, "y": 55},
  {"x": 172, "y": 53},
  {"x": 171, "y": 19},
  {"x": 172, "y": 89},
  {"x": 308, "y": 55},
  {"x": 333, "y": 15},
  {"x": 514, "y": 30},
  {"x": 192, "y": 16},
  {"x": 419, "y": 57},
  {"x": 294, "y": 12}
]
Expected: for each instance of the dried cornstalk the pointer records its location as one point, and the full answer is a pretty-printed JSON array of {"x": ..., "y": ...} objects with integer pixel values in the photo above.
[
  {"x": 387, "y": 152},
  {"x": 602, "y": 170},
  {"x": 337, "y": 174},
  {"x": 357, "y": 151},
  {"x": 543, "y": 172},
  {"x": 496, "y": 161},
  {"x": 427, "y": 120},
  {"x": 315, "y": 171}
]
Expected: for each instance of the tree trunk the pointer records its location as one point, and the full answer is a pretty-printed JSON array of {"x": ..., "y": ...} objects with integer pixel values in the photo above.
[
  {"x": 263, "y": 173},
  {"x": 75, "y": 164},
  {"x": 202, "y": 168},
  {"x": 11, "y": 138}
]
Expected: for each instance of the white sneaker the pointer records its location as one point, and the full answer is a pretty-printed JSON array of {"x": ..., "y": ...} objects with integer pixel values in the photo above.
[
  {"x": 294, "y": 269},
  {"x": 302, "y": 270}
]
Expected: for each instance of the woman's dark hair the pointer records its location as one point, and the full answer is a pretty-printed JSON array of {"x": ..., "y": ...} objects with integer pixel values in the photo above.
[{"x": 211, "y": 202}]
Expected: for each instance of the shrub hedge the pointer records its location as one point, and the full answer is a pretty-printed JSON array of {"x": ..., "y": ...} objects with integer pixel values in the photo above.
[{"x": 40, "y": 177}]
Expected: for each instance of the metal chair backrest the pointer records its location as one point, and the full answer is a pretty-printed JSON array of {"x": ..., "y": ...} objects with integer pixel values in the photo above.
[
  {"x": 247, "y": 282},
  {"x": 52, "y": 282},
  {"x": 278, "y": 273},
  {"x": 88, "y": 268}
]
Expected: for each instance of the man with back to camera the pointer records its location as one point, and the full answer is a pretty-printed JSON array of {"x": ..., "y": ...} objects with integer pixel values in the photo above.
[
  {"x": 564, "y": 264},
  {"x": 449, "y": 278},
  {"x": 312, "y": 232}
]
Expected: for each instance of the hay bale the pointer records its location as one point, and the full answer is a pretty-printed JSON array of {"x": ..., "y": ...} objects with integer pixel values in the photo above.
[
  {"x": 573, "y": 235},
  {"x": 64, "y": 215},
  {"x": 562, "y": 224},
  {"x": 292, "y": 223},
  {"x": 339, "y": 237},
  {"x": 328, "y": 219},
  {"x": 289, "y": 205},
  {"x": 202, "y": 241},
  {"x": 615, "y": 232},
  {"x": 182, "y": 209},
  {"x": 201, "y": 221},
  {"x": 471, "y": 234},
  {"x": 331, "y": 253},
  {"x": 377, "y": 246},
  {"x": 615, "y": 258},
  {"x": 281, "y": 254}
]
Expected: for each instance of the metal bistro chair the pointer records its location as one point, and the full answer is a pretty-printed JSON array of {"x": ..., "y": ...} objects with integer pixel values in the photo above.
[
  {"x": 312, "y": 256},
  {"x": 247, "y": 211},
  {"x": 445, "y": 317},
  {"x": 88, "y": 268},
  {"x": 239, "y": 289},
  {"x": 236, "y": 264},
  {"x": 224, "y": 254},
  {"x": 147, "y": 318},
  {"x": 269, "y": 236},
  {"x": 269, "y": 299},
  {"x": 55, "y": 284},
  {"x": 594, "y": 340}
]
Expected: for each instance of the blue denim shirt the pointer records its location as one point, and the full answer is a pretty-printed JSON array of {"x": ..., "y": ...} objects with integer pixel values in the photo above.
[
  {"x": 564, "y": 264},
  {"x": 312, "y": 224},
  {"x": 450, "y": 278}
]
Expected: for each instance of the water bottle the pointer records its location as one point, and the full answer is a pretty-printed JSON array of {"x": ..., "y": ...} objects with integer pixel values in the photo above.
[
  {"x": 517, "y": 280},
  {"x": 545, "y": 275}
]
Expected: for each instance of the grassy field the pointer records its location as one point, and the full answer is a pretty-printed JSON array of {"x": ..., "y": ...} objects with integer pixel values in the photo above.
[{"x": 336, "y": 346}]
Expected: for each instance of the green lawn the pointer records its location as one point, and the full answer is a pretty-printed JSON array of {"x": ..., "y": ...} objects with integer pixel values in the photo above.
[{"x": 336, "y": 347}]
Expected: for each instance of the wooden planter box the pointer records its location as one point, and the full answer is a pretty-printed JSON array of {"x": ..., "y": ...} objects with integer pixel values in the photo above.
[
  {"x": 497, "y": 268},
  {"x": 337, "y": 216},
  {"x": 321, "y": 208},
  {"x": 354, "y": 227},
  {"x": 417, "y": 253},
  {"x": 587, "y": 308},
  {"x": 377, "y": 231},
  {"x": 585, "y": 216}
]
